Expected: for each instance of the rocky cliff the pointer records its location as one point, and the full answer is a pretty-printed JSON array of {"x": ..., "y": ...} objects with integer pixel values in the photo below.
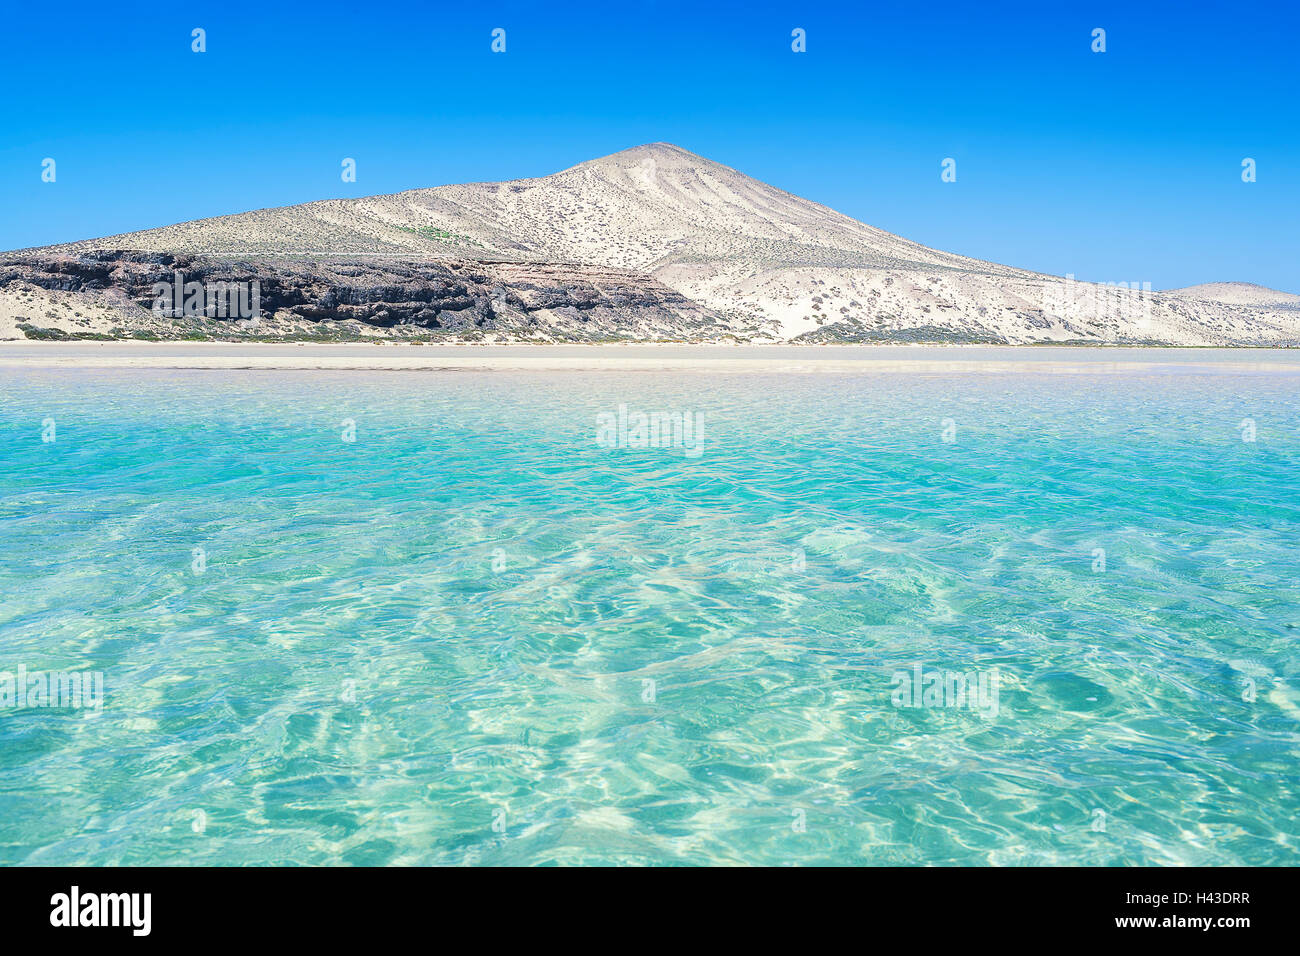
[{"x": 454, "y": 299}]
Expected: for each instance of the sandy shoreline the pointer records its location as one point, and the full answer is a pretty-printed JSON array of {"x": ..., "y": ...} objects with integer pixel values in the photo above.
[{"x": 648, "y": 357}]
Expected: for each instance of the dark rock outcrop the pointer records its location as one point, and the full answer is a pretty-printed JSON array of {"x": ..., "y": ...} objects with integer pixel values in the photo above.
[{"x": 442, "y": 297}]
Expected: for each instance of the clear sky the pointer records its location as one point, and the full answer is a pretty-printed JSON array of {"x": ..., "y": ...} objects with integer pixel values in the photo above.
[{"x": 1115, "y": 166}]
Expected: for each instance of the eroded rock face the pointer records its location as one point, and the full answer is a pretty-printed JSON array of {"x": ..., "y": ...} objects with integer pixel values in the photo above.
[{"x": 446, "y": 297}]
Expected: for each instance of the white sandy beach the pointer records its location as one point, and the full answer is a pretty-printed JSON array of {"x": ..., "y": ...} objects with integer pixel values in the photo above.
[{"x": 641, "y": 357}]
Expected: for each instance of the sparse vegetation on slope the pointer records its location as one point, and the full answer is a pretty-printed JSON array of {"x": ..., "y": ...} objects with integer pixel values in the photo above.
[{"x": 765, "y": 264}]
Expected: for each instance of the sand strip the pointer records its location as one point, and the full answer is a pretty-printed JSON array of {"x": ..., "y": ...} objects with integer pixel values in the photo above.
[{"x": 767, "y": 358}]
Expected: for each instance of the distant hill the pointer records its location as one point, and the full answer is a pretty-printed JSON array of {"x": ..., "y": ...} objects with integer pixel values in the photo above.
[{"x": 1238, "y": 293}]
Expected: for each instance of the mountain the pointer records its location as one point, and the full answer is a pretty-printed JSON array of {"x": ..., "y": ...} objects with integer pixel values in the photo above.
[{"x": 714, "y": 253}]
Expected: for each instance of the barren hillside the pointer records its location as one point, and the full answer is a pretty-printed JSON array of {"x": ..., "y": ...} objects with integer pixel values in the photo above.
[{"x": 760, "y": 262}]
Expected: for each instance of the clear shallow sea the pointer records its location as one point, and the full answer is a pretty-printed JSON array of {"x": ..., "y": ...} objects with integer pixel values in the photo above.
[{"x": 473, "y": 635}]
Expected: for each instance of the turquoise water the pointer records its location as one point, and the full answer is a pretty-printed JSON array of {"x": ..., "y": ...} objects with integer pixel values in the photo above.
[{"x": 474, "y": 635}]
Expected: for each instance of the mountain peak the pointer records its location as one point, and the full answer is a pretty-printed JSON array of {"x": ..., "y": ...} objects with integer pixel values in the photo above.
[
  {"x": 655, "y": 150},
  {"x": 658, "y": 154}
]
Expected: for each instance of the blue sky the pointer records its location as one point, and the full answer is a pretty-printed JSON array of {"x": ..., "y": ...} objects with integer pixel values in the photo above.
[{"x": 1117, "y": 166}]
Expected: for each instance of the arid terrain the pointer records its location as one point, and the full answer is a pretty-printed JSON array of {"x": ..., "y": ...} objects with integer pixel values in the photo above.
[{"x": 652, "y": 244}]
